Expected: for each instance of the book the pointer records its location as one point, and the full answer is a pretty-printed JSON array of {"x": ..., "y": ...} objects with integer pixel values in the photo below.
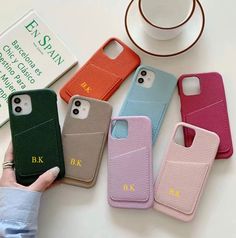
[{"x": 31, "y": 57}]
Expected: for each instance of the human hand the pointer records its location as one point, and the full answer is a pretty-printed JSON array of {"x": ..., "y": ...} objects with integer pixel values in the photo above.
[{"x": 8, "y": 178}]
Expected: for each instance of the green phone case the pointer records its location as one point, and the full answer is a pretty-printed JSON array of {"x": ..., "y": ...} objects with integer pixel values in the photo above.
[{"x": 36, "y": 137}]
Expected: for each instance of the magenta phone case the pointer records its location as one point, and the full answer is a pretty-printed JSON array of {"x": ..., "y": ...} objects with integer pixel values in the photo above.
[
  {"x": 207, "y": 110},
  {"x": 184, "y": 173},
  {"x": 130, "y": 177}
]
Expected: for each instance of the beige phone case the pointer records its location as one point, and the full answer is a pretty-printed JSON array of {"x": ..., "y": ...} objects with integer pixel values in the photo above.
[{"x": 83, "y": 142}]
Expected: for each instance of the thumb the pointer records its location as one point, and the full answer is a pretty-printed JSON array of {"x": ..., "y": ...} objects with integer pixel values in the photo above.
[{"x": 44, "y": 180}]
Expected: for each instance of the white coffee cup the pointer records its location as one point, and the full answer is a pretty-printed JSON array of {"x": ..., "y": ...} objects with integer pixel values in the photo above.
[{"x": 165, "y": 19}]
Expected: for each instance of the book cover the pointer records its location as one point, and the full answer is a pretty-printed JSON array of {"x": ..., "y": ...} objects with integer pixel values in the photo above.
[{"x": 31, "y": 57}]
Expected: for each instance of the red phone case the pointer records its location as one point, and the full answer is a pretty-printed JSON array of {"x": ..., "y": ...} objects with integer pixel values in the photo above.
[
  {"x": 101, "y": 76},
  {"x": 207, "y": 110}
]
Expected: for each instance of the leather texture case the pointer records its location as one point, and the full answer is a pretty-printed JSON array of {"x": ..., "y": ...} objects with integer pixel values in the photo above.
[
  {"x": 101, "y": 76},
  {"x": 130, "y": 176},
  {"x": 84, "y": 141},
  {"x": 184, "y": 173},
  {"x": 207, "y": 110},
  {"x": 36, "y": 137},
  {"x": 151, "y": 102}
]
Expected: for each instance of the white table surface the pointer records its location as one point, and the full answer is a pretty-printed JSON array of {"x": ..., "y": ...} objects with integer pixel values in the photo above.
[{"x": 68, "y": 211}]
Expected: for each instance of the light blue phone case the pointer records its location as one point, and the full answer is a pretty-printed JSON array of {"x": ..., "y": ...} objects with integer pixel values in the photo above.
[{"x": 152, "y": 102}]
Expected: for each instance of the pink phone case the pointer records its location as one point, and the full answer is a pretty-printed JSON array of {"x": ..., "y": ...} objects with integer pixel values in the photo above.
[
  {"x": 207, "y": 110},
  {"x": 184, "y": 173},
  {"x": 130, "y": 177}
]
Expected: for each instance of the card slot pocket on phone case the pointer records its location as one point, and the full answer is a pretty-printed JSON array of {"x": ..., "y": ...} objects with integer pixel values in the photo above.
[
  {"x": 39, "y": 157},
  {"x": 93, "y": 82},
  {"x": 129, "y": 176},
  {"x": 82, "y": 152},
  {"x": 180, "y": 184},
  {"x": 213, "y": 118},
  {"x": 154, "y": 110}
]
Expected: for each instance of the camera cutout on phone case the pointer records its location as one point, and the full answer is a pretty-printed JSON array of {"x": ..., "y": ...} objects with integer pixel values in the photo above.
[
  {"x": 145, "y": 78},
  {"x": 191, "y": 86},
  {"x": 113, "y": 49},
  {"x": 179, "y": 136},
  {"x": 21, "y": 105},
  {"x": 122, "y": 124},
  {"x": 80, "y": 109}
]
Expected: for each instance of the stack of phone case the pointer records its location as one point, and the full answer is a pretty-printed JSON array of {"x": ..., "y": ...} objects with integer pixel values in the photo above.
[
  {"x": 101, "y": 76},
  {"x": 38, "y": 146},
  {"x": 184, "y": 173},
  {"x": 151, "y": 101},
  {"x": 83, "y": 142},
  {"x": 208, "y": 110},
  {"x": 36, "y": 137},
  {"x": 130, "y": 179}
]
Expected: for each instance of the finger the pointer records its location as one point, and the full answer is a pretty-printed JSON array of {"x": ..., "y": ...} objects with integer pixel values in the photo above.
[
  {"x": 8, "y": 174},
  {"x": 9, "y": 153},
  {"x": 45, "y": 180}
]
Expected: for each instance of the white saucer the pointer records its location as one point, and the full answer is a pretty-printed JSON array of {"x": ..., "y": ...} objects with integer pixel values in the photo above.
[{"x": 185, "y": 40}]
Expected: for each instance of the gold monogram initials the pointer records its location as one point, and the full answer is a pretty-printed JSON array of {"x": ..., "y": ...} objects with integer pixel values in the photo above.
[
  {"x": 86, "y": 87},
  {"x": 76, "y": 162},
  {"x": 37, "y": 159},
  {"x": 174, "y": 192},
  {"x": 129, "y": 187}
]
